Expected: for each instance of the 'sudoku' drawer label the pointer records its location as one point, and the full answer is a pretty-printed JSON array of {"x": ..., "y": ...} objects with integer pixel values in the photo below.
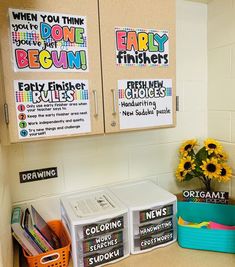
[{"x": 101, "y": 258}]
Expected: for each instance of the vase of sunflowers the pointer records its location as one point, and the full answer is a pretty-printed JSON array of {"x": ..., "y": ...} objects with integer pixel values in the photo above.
[{"x": 206, "y": 164}]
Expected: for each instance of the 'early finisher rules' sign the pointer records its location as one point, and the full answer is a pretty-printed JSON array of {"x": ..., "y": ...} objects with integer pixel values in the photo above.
[
  {"x": 145, "y": 103},
  {"x": 51, "y": 107}
]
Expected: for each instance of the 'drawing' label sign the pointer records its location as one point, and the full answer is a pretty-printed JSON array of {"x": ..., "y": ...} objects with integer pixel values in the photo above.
[{"x": 36, "y": 175}]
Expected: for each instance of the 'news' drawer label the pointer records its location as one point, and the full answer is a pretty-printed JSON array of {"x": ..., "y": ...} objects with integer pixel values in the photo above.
[{"x": 153, "y": 214}]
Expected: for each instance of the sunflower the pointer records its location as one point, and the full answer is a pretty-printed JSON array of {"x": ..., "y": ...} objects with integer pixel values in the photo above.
[
  {"x": 186, "y": 164},
  {"x": 212, "y": 146},
  {"x": 180, "y": 175},
  {"x": 187, "y": 146},
  {"x": 211, "y": 168},
  {"x": 222, "y": 156},
  {"x": 225, "y": 173}
]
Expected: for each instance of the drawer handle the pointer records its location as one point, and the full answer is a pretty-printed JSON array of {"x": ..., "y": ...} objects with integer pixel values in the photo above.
[
  {"x": 96, "y": 103},
  {"x": 114, "y": 102}
]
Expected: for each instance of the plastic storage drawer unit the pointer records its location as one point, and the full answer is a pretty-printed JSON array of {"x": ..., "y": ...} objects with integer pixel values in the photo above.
[
  {"x": 204, "y": 238},
  {"x": 152, "y": 214},
  {"x": 98, "y": 225}
]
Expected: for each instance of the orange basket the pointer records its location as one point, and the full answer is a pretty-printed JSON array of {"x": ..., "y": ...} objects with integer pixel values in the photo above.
[{"x": 54, "y": 258}]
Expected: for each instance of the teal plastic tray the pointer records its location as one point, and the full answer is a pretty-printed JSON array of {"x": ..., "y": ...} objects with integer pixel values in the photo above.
[{"x": 202, "y": 238}]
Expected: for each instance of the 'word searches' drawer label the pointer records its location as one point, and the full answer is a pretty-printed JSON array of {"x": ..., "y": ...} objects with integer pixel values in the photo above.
[
  {"x": 153, "y": 214},
  {"x": 102, "y": 242},
  {"x": 91, "y": 230},
  {"x": 101, "y": 258},
  {"x": 153, "y": 241},
  {"x": 155, "y": 228}
]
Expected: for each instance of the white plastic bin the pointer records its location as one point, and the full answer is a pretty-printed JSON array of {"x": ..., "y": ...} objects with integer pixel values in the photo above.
[
  {"x": 152, "y": 214},
  {"x": 98, "y": 225}
]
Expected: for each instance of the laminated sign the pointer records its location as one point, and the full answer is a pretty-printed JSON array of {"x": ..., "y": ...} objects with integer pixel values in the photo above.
[
  {"x": 44, "y": 41},
  {"x": 145, "y": 103},
  {"x": 51, "y": 108},
  {"x": 142, "y": 47}
]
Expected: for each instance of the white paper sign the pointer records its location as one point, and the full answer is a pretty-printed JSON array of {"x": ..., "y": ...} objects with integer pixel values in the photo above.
[
  {"x": 44, "y": 41},
  {"x": 141, "y": 47},
  {"x": 52, "y": 108},
  {"x": 145, "y": 103}
]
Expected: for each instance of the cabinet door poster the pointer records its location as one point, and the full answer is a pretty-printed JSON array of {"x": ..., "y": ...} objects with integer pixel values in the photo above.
[
  {"x": 52, "y": 108},
  {"x": 44, "y": 41},
  {"x": 141, "y": 47},
  {"x": 145, "y": 103}
]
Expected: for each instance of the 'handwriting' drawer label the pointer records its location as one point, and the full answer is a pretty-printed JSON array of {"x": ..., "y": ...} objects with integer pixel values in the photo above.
[{"x": 155, "y": 228}]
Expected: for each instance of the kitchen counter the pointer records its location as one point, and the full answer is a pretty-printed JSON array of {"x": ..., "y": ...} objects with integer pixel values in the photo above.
[{"x": 170, "y": 256}]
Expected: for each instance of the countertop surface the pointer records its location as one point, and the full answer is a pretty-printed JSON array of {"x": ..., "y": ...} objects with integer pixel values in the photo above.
[{"x": 172, "y": 256}]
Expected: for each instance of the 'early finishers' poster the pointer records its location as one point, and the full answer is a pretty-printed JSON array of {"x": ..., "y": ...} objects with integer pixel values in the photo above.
[
  {"x": 52, "y": 108},
  {"x": 43, "y": 41}
]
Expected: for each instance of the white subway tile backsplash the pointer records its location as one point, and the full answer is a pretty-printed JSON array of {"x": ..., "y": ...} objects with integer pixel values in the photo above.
[
  {"x": 219, "y": 125},
  {"x": 154, "y": 159},
  {"x": 221, "y": 94},
  {"x": 219, "y": 62},
  {"x": 193, "y": 89}
]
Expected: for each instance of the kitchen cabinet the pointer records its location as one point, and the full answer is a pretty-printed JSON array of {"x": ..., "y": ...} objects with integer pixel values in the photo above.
[
  {"x": 136, "y": 17},
  {"x": 75, "y": 9},
  {"x": 51, "y": 93}
]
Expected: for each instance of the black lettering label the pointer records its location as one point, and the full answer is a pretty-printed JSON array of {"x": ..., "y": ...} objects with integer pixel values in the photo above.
[
  {"x": 36, "y": 175},
  {"x": 157, "y": 240},
  {"x": 152, "y": 214},
  {"x": 92, "y": 230},
  {"x": 102, "y": 242},
  {"x": 154, "y": 228},
  {"x": 101, "y": 258}
]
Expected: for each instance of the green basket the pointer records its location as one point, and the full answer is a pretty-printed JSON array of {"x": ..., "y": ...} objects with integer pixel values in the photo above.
[{"x": 203, "y": 238}]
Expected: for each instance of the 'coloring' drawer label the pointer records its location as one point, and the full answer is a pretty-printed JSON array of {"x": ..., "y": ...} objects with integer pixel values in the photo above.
[
  {"x": 153, "y": 241},
  {"x": 153, "y": 214},
  {"x": 155, "y": 228},
  {"x": 95, "y": 229},
  {"x": 101, "y": 258},
  {"x": 102, "y": 242}
]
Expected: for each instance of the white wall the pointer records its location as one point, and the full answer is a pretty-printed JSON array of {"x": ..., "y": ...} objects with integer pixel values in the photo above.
[
  {"x": 5, "y": 211},
  {"x": 221, "y": 77},
  {"x": 91, "y": 161}
]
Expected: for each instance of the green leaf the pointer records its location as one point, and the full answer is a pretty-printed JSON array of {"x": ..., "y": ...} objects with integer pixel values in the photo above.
[
  {"x": 188, "y": 177},
  {"x": 200, "y": 156}
]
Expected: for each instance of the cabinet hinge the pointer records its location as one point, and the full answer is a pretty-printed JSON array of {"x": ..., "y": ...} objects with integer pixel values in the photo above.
[
  {"x": 177, "y": 103},
  {"x": 6, "y": 113}
]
